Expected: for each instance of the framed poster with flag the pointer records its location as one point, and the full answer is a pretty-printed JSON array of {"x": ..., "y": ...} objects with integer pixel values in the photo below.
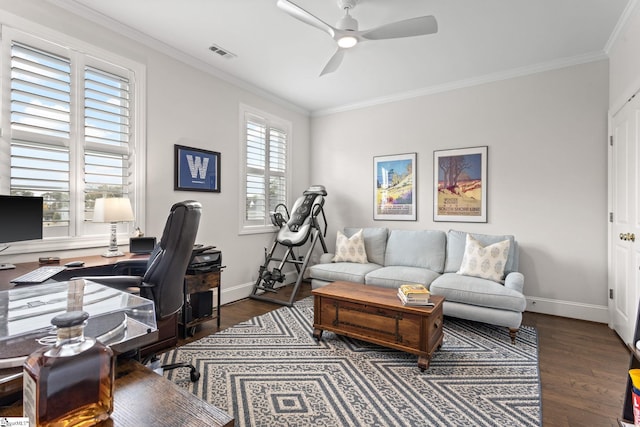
[{"x": 196, "y": 169}]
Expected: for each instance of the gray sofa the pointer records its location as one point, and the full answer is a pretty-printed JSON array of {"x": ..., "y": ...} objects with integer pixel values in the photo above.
[{"x": 433, "y": 258}]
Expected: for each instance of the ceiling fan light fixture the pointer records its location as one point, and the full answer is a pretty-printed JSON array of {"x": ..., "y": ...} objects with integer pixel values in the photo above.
[{"x": 346, "y": 42}]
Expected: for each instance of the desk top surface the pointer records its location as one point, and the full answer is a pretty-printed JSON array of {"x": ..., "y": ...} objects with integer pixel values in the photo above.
[
  {"x": 90, "y": 261},
  {"x": 144, "y": 398}
]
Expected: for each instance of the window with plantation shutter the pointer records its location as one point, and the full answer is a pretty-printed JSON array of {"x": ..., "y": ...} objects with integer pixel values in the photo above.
[
  {"x": 106, "y": 136},
  {"x": 265, "y": 148},
  {"x": 71, "y": 133},
  {"x": 41, "y": 130}
]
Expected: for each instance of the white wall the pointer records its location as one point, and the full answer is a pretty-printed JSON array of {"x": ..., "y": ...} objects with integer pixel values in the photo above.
[
  {"x": 547, "y": 178},
  {"x": 189, "y": 107}
]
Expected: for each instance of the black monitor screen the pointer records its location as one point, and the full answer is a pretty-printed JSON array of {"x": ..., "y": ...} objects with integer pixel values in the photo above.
[{"x": 20, "y": 218}]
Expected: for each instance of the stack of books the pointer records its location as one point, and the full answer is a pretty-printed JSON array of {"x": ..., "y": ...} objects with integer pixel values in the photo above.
[{"x": 414, "y": 294}]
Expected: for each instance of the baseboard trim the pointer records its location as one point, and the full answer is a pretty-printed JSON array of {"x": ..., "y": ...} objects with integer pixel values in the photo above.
[
  {"x": 243, "y": 290},
  {"x": 573, "y": 310}
]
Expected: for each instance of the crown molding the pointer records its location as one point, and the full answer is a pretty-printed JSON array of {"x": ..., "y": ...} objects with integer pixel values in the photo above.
[
  {"x": 626, "y": 13},
  {"x": 475, "y": 81},
  {"x": 131, "y": 33}
]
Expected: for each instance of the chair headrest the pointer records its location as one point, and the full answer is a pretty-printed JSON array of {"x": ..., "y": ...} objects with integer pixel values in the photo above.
[{"x": 187, "y": 205}]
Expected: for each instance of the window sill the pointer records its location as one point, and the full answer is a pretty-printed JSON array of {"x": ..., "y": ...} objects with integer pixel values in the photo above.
[{"x": 59, "y": 244}]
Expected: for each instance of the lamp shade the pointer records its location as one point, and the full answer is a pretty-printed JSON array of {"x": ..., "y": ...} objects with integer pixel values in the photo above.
[{"x": 112, "y": 209}]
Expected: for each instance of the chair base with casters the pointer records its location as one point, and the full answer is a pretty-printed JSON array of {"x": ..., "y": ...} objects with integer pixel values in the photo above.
[
  {"x": 194, "y": 375},
  {"x": 295, "y": 231}
]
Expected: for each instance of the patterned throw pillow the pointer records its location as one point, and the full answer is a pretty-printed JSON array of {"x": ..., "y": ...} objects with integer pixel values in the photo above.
[
  {"x": 350, "y": 249},
  {"x": 486, "y": 262}
]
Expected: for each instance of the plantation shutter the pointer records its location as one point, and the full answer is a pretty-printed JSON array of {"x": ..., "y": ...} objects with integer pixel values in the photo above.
[
  {"x": 277, "y": 167},
  {"x": 41, "y": 129},
  {"x": 256, "y": 170},
  {"x": 266, "y": 169},
  {"x": 68, "y": 138},
  {"x": 107, "y": 131}
]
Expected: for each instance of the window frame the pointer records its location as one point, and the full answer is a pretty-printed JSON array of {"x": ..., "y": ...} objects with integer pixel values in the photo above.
[
  {"x": 271, "y": 120},
  {"x": 40, "y": 37}
]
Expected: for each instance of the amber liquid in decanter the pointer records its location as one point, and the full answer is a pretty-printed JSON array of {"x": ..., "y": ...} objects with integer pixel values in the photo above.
[{"x": 70, "y": 384}]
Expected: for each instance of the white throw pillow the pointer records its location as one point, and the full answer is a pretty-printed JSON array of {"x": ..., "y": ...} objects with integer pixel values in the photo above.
[
  {"x": 486, "y": 262},
  {"x": 350, "y": 249}
]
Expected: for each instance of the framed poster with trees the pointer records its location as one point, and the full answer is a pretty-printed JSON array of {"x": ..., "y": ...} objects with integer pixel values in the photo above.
[{"x": 460, "y": 185}]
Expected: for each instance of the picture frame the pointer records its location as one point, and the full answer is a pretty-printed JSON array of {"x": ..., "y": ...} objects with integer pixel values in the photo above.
[
  {"x": 196, "y": 169},
  {"x": 394, "y": 187},
  {"x": 460, "y": 185}
]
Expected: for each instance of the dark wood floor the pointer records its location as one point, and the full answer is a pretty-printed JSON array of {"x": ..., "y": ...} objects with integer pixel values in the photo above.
[{"x": 583, "y": 365}]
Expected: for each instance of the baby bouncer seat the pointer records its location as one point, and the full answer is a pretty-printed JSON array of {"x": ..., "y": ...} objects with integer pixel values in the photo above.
[{"x": 294, "y": 231}]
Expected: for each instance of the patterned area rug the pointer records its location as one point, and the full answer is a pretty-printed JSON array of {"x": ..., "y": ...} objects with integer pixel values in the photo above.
[{"x": 269, "y": 371}]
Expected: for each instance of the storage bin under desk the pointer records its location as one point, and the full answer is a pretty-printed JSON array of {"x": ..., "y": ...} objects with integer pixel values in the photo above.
[{"x": 200, "y": 303}]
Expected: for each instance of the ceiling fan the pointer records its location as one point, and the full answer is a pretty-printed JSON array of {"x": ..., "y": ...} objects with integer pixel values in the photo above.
[{"x": 346, "y": 32}]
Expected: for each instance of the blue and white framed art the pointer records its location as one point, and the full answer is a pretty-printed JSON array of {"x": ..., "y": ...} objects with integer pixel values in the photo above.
[{"x": 196, "y": 169}]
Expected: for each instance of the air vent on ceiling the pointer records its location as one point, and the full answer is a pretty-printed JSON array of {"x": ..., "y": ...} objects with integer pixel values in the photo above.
[{"x": 222, "y": 52}]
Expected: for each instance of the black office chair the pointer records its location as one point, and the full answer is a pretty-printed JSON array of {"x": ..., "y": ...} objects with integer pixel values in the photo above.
[{"x": 163, "y": 279}]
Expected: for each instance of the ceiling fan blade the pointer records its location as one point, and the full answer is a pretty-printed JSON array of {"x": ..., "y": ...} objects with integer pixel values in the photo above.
[
  {"x": 420, "y": 26},
  {"x": 334, "y": 62},
  {"x": 304, "y": 16}
]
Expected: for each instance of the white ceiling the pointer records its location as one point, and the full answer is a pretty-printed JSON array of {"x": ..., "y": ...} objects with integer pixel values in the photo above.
[{"x": 476, "y": 41}]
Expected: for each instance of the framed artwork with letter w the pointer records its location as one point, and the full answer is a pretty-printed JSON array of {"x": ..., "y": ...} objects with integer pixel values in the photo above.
[{"x": 197, "y": 169}]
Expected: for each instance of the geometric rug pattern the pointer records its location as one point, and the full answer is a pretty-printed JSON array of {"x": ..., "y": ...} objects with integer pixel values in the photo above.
[{"x": 269, "y": 371}]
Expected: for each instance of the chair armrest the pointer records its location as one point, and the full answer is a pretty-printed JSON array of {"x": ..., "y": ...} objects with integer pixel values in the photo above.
[
  {"x": 325, "y": 258},
  {"x": 129, "y": 284},
  {"x": 515, "y": 281},
  {"x": 142, "y": 262},
  {"x": 130, "y": 267}
]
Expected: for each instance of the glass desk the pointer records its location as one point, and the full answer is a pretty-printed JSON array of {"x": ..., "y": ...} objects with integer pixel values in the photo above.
[{"x": 121, "y": 320}]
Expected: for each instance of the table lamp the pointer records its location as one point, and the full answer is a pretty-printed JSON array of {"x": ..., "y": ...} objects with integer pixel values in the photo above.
[{"x": 113, "y": 210}]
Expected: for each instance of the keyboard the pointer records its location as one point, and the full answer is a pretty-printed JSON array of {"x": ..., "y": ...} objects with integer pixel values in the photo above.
[{"x": 39, "y": 275}]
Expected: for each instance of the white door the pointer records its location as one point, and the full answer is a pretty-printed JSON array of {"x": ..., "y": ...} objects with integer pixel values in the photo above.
[{"x": 624, "y": 288}]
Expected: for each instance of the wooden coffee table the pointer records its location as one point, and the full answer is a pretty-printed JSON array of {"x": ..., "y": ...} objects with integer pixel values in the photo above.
[{"x": 376, "y": 315}]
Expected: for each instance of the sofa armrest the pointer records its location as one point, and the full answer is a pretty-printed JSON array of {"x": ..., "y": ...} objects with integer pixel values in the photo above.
[
  {"x": 325, "y": 258},
  {"x": 515, "y": 281}
]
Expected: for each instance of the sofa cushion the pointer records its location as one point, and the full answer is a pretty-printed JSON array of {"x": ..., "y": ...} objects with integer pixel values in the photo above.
[
  {"x": 375, "y": 242},
  {"x": 456, "y": 242},
  {"x": 476, "y": 291},
  {"x": 416, "y": 248},
  {"x": 394, "y": 276},
  {"x": 348, "y": 271},
  {"x": 482, "y": 261},
  {"x": 350, "y": 249}
]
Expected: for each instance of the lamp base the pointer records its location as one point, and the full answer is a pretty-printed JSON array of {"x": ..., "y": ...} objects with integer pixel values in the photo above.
[
  {"x": 113, "y": 244},
  {"x": 111, "y": 254}
]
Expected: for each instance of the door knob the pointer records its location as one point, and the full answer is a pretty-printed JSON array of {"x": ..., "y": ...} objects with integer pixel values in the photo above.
[
  {"x": 628, "y": 236},
  {"x": 632, "y": 237}
]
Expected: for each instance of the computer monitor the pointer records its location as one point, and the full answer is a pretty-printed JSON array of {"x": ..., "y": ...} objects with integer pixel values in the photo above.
[{"x": 20, "y": 218}]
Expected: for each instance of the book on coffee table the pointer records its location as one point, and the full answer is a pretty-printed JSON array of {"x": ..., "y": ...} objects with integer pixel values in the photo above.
[{"x": 414, "y": 294}]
